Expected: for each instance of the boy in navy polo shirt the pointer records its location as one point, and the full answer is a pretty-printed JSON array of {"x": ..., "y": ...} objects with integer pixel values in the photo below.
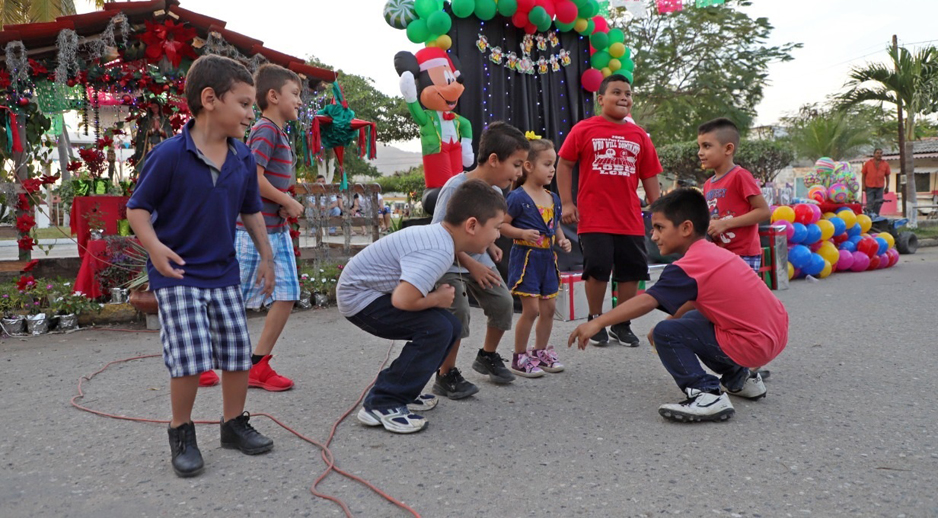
[{"x": 197, "y": 183}]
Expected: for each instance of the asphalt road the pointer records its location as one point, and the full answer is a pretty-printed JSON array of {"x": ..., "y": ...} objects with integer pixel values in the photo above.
[{"x": 849, "y": 427}]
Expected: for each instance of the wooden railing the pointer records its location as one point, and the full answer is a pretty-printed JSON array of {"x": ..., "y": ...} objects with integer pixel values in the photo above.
[{"x": 321, "y": 221}]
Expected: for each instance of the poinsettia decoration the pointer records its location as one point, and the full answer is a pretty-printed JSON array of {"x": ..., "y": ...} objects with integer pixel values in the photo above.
[{"x": 169, "y": 39}]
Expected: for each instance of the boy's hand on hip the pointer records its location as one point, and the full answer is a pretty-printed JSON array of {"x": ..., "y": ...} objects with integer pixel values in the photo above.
[
  {"x": 484, "y": 276},
  {"x": 444, "y": 295},
  {"x": 161, "y": 257},
  {"x": 581, "y": 335},
  {"x": 570, "y": 213},
  {"x": 293, "y": 208},
  {"x": 266, "y": 276}
]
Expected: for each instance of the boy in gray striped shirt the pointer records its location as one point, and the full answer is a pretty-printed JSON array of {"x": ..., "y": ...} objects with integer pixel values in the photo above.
[{"x": 389, "y": 290}]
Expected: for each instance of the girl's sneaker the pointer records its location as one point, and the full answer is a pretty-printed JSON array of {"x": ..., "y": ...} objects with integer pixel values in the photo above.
[
  {"x": 548, "y": 359},
  {"x": 526, "y": 365}
]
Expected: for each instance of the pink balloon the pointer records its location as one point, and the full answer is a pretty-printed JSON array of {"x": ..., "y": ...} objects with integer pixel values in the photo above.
[
  {"x": 591, "y": 79},
  {"x": 845, "y": 261},
  {"x": 893, "y": 257},
  {"x": 861, "y": 262},
  {"x": 884, "y": 261},
  {"x": 601, "y": 24},
  {"x": 789, "y": 228},
  {"x": 817, "y": 213}
]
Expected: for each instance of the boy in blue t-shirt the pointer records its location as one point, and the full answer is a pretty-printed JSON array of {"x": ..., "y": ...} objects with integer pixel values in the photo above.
[
  {"x": 199, "y": 182},
  {"x": 390, "y": 290}
]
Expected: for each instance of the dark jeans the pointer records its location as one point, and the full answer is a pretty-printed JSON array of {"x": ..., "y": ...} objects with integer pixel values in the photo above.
[
  {"x": 874, "y": 199},
  {"x": 430, "y": 334},
  {"x": 680, "y": 342}
]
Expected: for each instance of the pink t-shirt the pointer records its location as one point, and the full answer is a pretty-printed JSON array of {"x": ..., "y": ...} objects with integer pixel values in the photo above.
[
  {"x": 612, "y": 159},
  {"x": 750, "y": 323},
  {"x": 728, "y": 197}
]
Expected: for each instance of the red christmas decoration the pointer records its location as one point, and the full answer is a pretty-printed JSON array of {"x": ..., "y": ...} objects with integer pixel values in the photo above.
[
  {"x": 26, "y": 243},
  {"x": 30, "y": 265},
  {"x": 25, "y": 282},
  {"x": 169, "y": 39},
  {"x": 25, "y": 223},
  {"x": 4, "y": 79}
]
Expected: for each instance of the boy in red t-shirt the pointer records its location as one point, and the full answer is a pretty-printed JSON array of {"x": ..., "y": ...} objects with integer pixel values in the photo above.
[
  {"x": 720, "y": 315},
  {"x": 613, "y": 155},
  {"x": 735, "y": 201}
]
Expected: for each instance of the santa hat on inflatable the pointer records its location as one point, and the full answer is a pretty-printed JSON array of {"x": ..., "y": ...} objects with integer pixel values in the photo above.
[{"x": 432, "y": 57}]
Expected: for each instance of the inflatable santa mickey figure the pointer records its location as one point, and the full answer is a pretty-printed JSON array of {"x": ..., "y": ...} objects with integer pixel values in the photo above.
[{"x": 432, "y": 85}]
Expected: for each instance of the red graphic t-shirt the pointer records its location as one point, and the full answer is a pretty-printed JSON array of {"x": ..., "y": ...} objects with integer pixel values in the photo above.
[
  {"x": 612, "y": 159},
  {"x": 728, "y": 197}
]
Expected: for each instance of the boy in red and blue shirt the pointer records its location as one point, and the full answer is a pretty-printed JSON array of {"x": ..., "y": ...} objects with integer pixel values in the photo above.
[
  {"x": 720, "y": 314},
  {"x": 734, "y": 199}
]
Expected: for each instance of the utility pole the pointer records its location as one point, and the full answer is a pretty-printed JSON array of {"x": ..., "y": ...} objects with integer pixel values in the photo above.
[{"x": 904, "y": 174}]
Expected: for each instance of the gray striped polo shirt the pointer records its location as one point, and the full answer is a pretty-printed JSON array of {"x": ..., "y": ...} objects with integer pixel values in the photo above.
[{"x": 272, "y": 151}]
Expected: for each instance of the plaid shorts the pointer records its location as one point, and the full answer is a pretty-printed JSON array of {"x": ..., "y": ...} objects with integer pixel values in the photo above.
[
  {"x": 287, "y": 286},
  {"x": 203, "y": 329},
  {"x": 754, "y": 262}
]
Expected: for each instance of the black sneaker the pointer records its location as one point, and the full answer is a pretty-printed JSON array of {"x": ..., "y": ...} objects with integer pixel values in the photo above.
[
  {"x": 187, "y": 459},
  {"x": 453, "y": 385},
  {"x": 493, "y": 365},
  {"x": 600, "y": 338},
  {"x": 623, "y": 333},
  {"x": 238, "y": 434}
]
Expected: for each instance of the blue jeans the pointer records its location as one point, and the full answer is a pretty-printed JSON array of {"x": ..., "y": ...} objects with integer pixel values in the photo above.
[
  {"x": 681, "y": 341},
  {"x": 430, "y": 334}
]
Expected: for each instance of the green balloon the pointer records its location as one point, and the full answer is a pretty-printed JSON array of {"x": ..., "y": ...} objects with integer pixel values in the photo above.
[
  {"x": 590, "y": 27},
  {"x": 627, "y": 66},
  {"x": 463, "y": 8},
  {"x": 580, "y": 3},
  {"x": 417, "y": 31},
  {"x": 600, "y": 59},
  {"x": 599, "y": 41},
  {"x": 507, "y": 8},
  {"x": 486, "y": 9},
  {"x": 593, "y": 7},
  {"x": 538, "y": 15},
  {"x": 439, "y": 23},
  {"x": 628, "y": 75},
  {"x": 425, "y": 8},
  {"x": 562, "y": 27},
  {"x": 544, "y": 25},
  {"x": 616, "y": 36}
]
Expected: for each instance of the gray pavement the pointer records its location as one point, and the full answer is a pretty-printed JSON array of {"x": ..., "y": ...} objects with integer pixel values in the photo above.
[{"x": 849, "y": 427}]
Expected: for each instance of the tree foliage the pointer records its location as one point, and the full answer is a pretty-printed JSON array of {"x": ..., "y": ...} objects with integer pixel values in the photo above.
[
  {"x": 32, "y": 11},
  {"x": 839, "y": 134},
  {"x": 763, "y": 158},
  {"x": 702, "y": 64},
  {"x": 410, "y": 183},
  {"x": 389, "y": 113}
]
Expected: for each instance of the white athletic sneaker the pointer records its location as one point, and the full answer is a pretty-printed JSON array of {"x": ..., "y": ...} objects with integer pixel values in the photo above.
[
  {"x": 699, "y": 406},
  {"x": 397, "y": 420},
  {"x": 753, "y": 389}
]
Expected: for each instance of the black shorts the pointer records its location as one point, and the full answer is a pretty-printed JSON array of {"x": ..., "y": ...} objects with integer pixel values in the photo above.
[{"x": 605, "y": 253}]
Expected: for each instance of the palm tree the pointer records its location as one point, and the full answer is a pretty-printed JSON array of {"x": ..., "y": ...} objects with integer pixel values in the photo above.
[
  {"x": 910, "y": 82},
  {"x": 837, "y": 134},
  {"x": 32, "y": 11}
]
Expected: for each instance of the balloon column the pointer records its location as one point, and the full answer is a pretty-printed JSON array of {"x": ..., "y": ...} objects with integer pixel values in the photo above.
[
  {"x": 821, "y": 244},
  {"x": 427, "y": 22},
  {"x": 832, "y": 181}
]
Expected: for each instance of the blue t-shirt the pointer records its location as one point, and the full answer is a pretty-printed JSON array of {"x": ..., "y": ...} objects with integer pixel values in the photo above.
[{"x": 197, "y": 206}]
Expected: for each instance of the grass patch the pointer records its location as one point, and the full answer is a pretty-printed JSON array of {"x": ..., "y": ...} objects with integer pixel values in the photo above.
[
  {"x": 930, "y": 232},
  {"x": 46, "y": 233}
]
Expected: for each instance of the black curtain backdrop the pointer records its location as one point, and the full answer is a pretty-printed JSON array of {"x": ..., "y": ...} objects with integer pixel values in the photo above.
[{"x": 547, "y": 104}]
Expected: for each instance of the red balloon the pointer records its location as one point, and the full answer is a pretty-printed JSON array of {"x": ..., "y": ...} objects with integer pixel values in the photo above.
[
  {"x": 868, "y": 246},
  {"x": 548, "y": 6},
  {"x": 519, "y": 19},
  {"x": 591, "y": 79},
  {"x": 803, "y": 214},
  {"x": 601, "y": 24},
  {"x": 566, "y": 11},
  {"x": 530, "y": 28},
  {"x": 525, "y": 6},
  {"x": 874, "y": 263},
  {"x": 840, "y": 239}
]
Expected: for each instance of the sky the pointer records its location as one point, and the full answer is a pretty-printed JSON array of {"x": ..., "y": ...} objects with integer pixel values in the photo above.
[{"x": 837, "y": 34}]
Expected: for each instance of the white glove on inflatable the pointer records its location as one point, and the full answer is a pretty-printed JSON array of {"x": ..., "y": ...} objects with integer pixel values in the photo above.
[
  {"x": 408, "y": 87},
  {"x": 468, "y": 159}
]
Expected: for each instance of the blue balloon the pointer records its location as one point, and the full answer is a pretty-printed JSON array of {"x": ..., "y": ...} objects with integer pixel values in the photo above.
[
  {"x": 883, "y": 245},
  {"x": 815, "y": 265},
  {"x": 814, "y": 234},
  {"x": 838, "y": 211},
  {"x": 854, "y": 231},
  {"x": 839, "y": 226},
  {"x": 799, "y": 233},
  {"x": 855, "y": 239},
  {"x": 849, "y": 246},
  {"x": 799, "y": 256}
]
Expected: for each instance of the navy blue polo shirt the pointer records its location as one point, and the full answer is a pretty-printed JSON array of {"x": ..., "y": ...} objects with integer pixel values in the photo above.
[{"x": 196, "y": 212}]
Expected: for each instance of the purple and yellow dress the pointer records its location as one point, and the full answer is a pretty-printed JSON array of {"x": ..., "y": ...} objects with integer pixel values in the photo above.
[{"x": 532, "y": 267}]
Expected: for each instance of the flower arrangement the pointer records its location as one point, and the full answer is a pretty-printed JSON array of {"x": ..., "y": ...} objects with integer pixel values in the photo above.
[{"x": 321, "y": 280}]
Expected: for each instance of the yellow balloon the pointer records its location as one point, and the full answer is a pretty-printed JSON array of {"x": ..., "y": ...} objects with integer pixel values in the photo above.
[
  {"x": 791, "y": 272},
  {"x": 614, "y": 64},
  {"x": 444, "y": 42},
  {"x": 829, "y": 252},
  {"x": 888, "y": 237},
  {"x": 606, "y": 72},
  {"x": 617, "y": 49},
  {"x": 430, "y": 44},
  {"x": 827, "y": 269},
  {"x": 827, "y": 229},
  {"x": 850, "y": 219},
  {"x": 865, "y": 222},
  {"x": 580, "y": 24},
  {"x": 829, "y": 215},
  {"x": 785, "y": 213}
]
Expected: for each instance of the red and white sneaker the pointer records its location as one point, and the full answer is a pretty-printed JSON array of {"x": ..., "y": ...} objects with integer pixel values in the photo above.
[
  {"x": 208, "y": 379},
  {"x": 262, "y": 376}
]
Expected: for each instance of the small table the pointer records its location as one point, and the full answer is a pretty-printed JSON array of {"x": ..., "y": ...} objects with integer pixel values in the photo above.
[{"x": 110, "y": 209}]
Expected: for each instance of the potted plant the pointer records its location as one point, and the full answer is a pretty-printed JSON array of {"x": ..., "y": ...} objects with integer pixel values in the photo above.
[
  {"x": 14, "y": 323},
  {"x": 67, "y": 306},
  {"x": 95, "y": 222},
  {"x": 306, "y": 293}
]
